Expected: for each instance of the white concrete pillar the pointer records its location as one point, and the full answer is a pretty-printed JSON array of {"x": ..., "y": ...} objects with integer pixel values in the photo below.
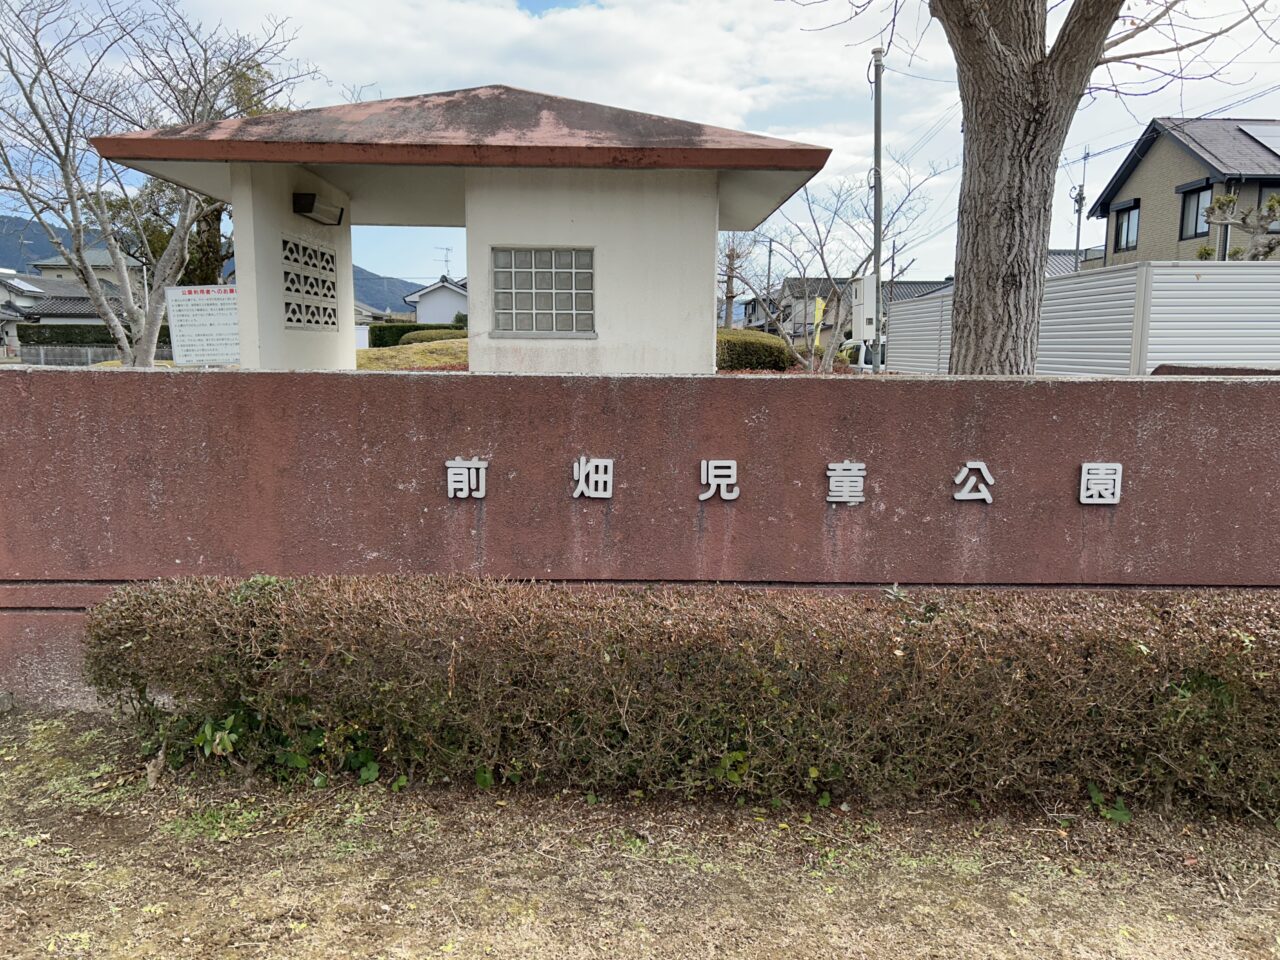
[{"x": 294, "y": 285}]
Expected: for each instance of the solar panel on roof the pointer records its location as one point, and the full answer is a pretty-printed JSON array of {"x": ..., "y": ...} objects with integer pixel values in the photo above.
[
  {"x": 23, "y": 285},
  {"x": 1268, "y": 136}
]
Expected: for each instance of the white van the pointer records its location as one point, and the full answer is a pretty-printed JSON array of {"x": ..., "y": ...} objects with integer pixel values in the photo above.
[{"x": 859, "y": 354}]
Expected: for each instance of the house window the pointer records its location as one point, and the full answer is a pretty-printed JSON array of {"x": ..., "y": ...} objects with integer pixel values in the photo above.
[
  {"x": 544, "y": 291},
  {"x": 1194, "y": 204},
  {"x": 1266, "y": 198},
  {"x": 1127, "y": 228}
]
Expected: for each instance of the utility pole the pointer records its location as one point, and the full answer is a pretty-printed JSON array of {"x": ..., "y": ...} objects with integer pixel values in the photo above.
[
  {"x": 1077, "y": 194},
  {"x": 731, "y": 265},
  {"x": 877, "y": 59},
  {"x": 768, "y": 285}
]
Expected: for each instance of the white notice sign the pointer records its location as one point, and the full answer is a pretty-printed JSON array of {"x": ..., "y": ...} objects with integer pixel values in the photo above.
[{"x": 203, "y": 325}]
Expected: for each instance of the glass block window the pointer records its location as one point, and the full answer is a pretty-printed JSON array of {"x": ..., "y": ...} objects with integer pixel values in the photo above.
[
  {"x": 310, "y": 285},
  {"x": 544, "y": 291}
]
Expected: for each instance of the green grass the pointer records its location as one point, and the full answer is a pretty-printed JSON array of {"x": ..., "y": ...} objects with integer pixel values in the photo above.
[
  {"x": 441, "y": 355},
  {"x": 207, "y": 863}
]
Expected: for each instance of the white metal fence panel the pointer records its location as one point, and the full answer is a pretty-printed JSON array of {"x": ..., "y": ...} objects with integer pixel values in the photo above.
[
  {"x": 919, "y": 335},
  {"x": 1224, "y": 314},
  {"x": 1086, "y": 323}
]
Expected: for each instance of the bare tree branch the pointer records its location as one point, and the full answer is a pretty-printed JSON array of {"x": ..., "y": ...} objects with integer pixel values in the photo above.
[
  {"x": 1022, "y": 69},
  {"x": 74, "y": 70}
]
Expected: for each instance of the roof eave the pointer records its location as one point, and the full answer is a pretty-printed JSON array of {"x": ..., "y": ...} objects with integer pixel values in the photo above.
[
  {"x": 140, "y": 147},
  {"x": 1102, "y": 206}
]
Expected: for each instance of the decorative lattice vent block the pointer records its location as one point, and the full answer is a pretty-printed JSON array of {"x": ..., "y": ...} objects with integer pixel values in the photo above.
[{"x": 310, "y": 284}]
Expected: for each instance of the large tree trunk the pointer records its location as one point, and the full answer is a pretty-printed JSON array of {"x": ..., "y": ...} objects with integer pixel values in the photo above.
[
  {"x": 1018, "y": 98},
  {"x": 206, "y": 257},
  {"x": 1012, "y": 140}
]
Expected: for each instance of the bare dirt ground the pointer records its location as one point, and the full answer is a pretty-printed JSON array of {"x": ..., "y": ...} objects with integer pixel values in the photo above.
[{"x": 93, "y": 864}]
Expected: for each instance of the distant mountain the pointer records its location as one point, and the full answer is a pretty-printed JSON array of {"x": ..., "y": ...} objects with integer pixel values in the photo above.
[
  {"x": 382, "y": 293},
  {"x": 14, "y": 253}
]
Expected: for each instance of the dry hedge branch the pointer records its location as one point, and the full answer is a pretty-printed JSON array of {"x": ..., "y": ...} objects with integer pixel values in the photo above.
[{"x": 987, "y": 695}]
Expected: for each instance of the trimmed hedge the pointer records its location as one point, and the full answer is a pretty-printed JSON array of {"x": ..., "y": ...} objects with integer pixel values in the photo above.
[
  {"x": 75, "y": 334},
  {"x": 750, "y": 350},
  {"x": 994, "y": 696},
  {"x": 431, "y": 336},
  {"x": 389, "y": 334}
]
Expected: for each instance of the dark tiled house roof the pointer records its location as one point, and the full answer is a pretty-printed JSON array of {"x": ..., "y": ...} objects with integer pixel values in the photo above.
[
  {"x": 1227, "y": 145},
  {"x": 52, "y": 298},
  {"x": 22, "y": 284},
  {"x": 62, "y": 307},
  {"x": 803, "y": 288},
  {"x": 896, "y": 290},
  {"x": 94, "y": 256},
  {"x": 1060, "y": 263}
]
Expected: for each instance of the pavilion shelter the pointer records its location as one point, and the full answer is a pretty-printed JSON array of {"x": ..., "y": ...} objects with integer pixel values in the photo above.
[{"x": 591, "y": 230}]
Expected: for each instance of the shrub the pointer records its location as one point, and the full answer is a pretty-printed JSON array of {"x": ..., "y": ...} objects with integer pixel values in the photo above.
[
  {"x": 750, "y": 350},
  {"x": 74, "y": 334},
  {"x": 460, "y": 320},
  {"x": 431, "y": 336},
  {"x": 980, "y": 695},
  {"x": 389, "y": 334}
]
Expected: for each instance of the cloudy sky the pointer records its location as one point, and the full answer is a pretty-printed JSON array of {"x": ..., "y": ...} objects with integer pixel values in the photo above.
[{"x": 767, "y": 66}]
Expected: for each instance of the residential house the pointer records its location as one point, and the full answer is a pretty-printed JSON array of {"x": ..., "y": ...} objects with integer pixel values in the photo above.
[
  {"x": 56, "y": 268},
  {"x": 366, "y": 314},
  {"x": 798, "y": 297},
  {"x": 29, "y": 298},
  {"x": 895, "y": 290},
  {"x": 1062, "y": 262},
  {"x": 1059, "y": 263},
  {"x": 439, "y": 302},
  {"x": 739, "y": 320},
  {"x": 1154, "y": 205},
  {"x": 796, "y": 303},
  {"x": 365, "y": 317}
]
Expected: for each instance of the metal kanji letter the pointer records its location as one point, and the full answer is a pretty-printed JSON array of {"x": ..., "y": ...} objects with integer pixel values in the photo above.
[
  {"x": 846, "y": 482},
  {"x": 721, "y": 477},
  {"x": 465, "y": 478},
  {"x": 977, "y": 482},
  {"x": 594, "y": 478},
  {"x": 1100, "y": 483}
]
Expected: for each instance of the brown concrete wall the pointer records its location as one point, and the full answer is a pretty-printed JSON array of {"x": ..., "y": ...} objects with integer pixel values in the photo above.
[
  {"x": 112, "y": 476},
  {"x": 116, "y": 475}
]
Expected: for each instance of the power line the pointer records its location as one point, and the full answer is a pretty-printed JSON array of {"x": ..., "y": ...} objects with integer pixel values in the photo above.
[
  {"x": 1241, "y": 101},
  {"x": 933, "y": 130},
  {"x": 916, "y": 76}
]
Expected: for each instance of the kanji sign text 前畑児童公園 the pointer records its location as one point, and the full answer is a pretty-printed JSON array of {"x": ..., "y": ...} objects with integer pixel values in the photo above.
[{"x": 593, "y": 478}]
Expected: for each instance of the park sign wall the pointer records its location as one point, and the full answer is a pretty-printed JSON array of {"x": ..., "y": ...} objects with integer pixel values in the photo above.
[
  {"x": 1155, "y": 481},
  {"x": 122, "y": 475}
]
